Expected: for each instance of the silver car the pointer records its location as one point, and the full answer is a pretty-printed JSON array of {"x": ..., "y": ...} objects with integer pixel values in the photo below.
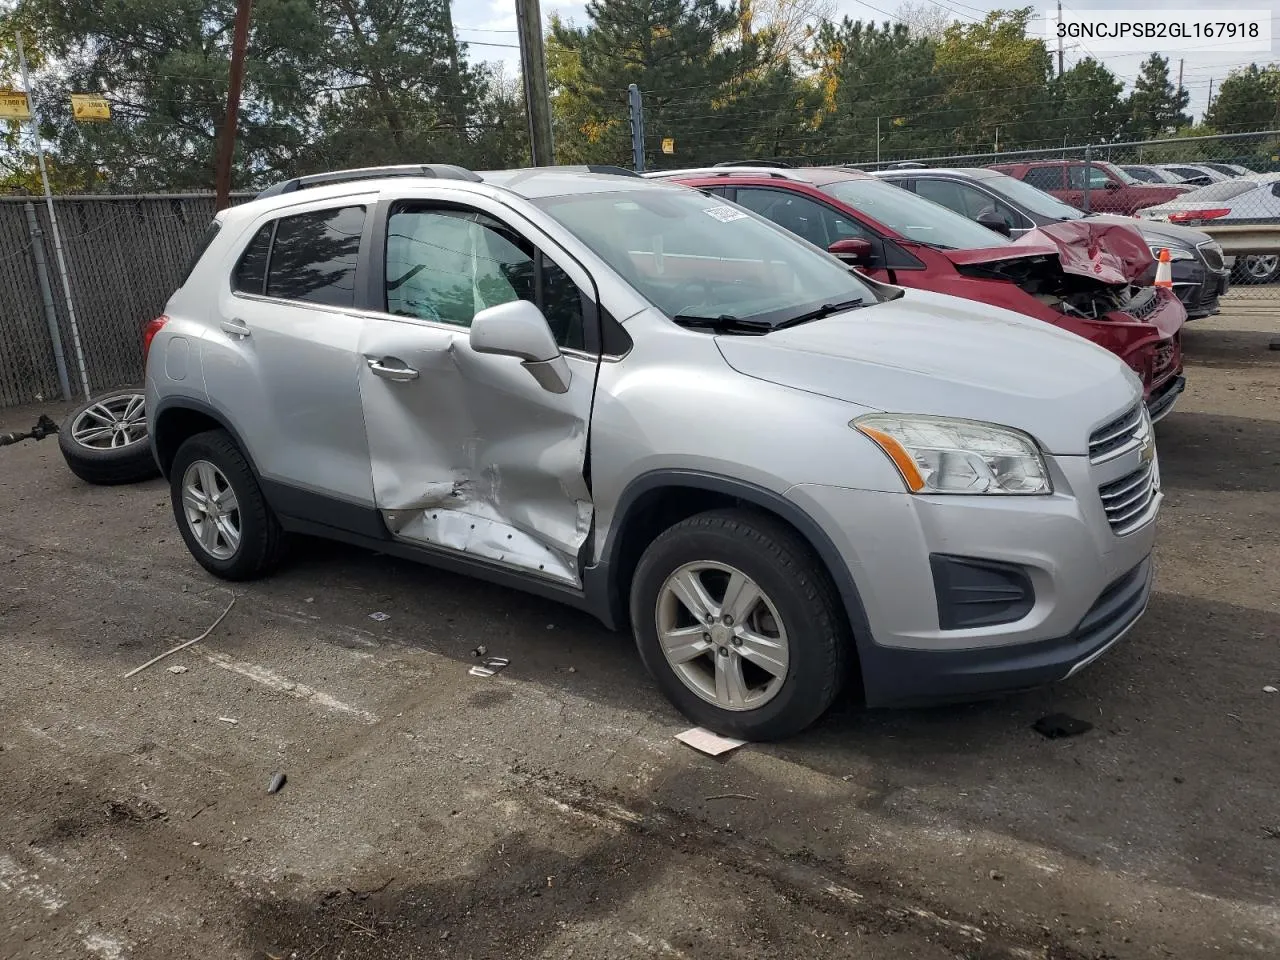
[{"x": 652, "y": 405}]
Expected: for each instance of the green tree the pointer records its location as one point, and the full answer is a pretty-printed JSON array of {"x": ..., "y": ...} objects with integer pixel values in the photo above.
[
  {"x": 1156, "y": 108},
  {"x": 1248, "y": 99},
  {"x": 1089, "y": 104},
  {"x": 696, "y": 66},
  {"x": 996, "y": 74},
  {"x": 873, "y": 79}
]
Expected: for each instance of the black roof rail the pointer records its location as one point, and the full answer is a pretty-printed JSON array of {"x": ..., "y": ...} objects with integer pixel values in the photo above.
[
  {"x": 753, "y": 163},
  {"x": 443, "y": 171}
]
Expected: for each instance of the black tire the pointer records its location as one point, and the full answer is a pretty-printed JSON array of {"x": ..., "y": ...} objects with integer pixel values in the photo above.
[
  {"x": 262, "y": 540},
  {"x": 132, "y": 462},
  {"x": 1241, "y": 276},
  {"x": 799, "y": 588}
]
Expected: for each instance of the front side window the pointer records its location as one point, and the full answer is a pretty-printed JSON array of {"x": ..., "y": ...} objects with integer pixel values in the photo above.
[
  {"x": 313, "y": 257},
  {"x": 965, "y": 200},
  {"x": 816, "y": 222},
  {"x": 1097, "y": 178},
  {"x": 447, "y": 265},
  {"x": 694, "y": 256}
]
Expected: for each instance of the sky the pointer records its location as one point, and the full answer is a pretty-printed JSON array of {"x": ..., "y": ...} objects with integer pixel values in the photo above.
[{"x": 489, "y": 26}]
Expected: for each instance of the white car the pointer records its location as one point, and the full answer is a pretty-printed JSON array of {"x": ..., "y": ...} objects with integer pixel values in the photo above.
[{"x": 1245, "y": 200}]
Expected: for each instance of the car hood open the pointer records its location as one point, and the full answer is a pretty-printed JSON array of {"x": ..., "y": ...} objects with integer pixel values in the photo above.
[
  {"x": 1112, "y": 253},
  {"x": 928, "y": 353}
]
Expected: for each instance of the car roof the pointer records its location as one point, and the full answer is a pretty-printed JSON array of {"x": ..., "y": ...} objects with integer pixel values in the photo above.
[
  {"x": 815, "y": 176},
  {"x": 972, "y": 173}
]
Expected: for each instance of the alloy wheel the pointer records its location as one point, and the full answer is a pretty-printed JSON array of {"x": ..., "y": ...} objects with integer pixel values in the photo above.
[
  {"x": 211, "y": 509},
  {"x": 113, "y": 423}
]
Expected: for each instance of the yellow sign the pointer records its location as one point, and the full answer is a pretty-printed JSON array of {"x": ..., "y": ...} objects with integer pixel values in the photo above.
[
  {"x": 668, "y": 145},
  {"x": 14, "y": 105},
  {"x": 86, "y": 107}
]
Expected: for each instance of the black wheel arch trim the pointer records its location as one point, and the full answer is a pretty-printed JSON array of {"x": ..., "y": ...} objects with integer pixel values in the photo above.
[
  {"x": 196, "y": 406},
  {"x": 601, "y": 581}
]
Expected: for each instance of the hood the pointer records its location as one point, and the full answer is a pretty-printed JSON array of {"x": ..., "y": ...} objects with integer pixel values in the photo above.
[
  {"x": 1114, "y": 253},
  {"x": 933, "y": 354},
  {"x": 1168, "y": 232}
]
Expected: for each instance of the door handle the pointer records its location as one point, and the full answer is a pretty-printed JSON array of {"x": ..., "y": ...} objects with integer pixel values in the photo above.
[
  {"x": 398, "y": 374},
  {"x": 237, "y": 328}
]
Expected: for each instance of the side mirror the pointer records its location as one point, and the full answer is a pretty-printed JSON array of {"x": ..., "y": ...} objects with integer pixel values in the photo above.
[
  {"x": 995, "y": 221},
  {"x": 853, "y": 250},
  {"x": 518, "y": 329}
]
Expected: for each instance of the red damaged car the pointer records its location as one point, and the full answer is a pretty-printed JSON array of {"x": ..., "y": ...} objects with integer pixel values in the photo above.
[{"x": 1078, "y": 275}]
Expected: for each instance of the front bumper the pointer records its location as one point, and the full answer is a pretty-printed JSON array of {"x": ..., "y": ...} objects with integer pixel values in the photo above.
[{"x": 1089, "y": 584}]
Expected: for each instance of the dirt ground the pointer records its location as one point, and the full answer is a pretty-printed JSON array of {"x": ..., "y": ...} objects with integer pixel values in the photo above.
[{"x": 548, "y": 813}]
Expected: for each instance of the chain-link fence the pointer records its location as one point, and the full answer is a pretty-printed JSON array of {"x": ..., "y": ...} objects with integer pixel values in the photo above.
[{"x": 125, "y": 255}]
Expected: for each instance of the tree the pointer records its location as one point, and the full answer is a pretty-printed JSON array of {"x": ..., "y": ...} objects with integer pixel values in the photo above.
[
  {"x": 695, "y": 64},
  {"x": 996, "y": 75},
  {"x": 873, "y": 79},
  {"x": 1248, "y": 99},
  {"x": 1155, "y": 107},
  {"x": 1089, "y": 105}
]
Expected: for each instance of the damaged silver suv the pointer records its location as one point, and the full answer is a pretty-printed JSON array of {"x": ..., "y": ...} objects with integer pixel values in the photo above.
[{"x": 782, "y": 476}]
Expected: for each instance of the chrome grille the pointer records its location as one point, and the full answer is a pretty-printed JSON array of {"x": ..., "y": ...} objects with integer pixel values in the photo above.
[
  {"x": 1125, "y": 432},
  {"x": 1128, "y": 500},
  {"x": 1211, "y": 253}
]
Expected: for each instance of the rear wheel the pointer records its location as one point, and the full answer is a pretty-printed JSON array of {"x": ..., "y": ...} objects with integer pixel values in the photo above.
[
  {"x": 739, "y": 625},
  {"x": 220, "y": 510},
  {"x": 1256, "y": 269}
]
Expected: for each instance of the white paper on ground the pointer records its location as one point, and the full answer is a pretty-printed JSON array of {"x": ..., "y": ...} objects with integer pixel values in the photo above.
[{"x": 709, "y": 743}]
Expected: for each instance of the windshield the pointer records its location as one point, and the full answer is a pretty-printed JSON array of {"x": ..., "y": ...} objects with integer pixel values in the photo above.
[
  {"x": 913, "y": 216},
  {"x": 695, "y": 256},
  {"x": 1032, "y": 199},
  {"x": 1116, "y": 172}
]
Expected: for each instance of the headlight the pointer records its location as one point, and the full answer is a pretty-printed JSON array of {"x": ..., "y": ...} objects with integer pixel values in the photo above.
[
  {"x": 1175, "y": 253},
  {"x": 941, "y": 455}
]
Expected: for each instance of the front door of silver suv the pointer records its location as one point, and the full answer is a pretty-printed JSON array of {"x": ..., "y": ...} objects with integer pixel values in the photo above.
[{"x": 469, "y": 452}]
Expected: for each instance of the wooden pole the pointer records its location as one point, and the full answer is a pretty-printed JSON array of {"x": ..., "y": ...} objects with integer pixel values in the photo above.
[
  {"x": 533, "y": 65},
  {"x": 227, "y": 142}
]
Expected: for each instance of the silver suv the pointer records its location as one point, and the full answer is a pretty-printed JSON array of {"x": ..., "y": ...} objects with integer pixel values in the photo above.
[{"x": 660, "y": 408}]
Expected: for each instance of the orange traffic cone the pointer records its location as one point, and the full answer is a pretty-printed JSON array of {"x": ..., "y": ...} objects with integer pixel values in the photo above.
[{"x": 1164, "y": 272}]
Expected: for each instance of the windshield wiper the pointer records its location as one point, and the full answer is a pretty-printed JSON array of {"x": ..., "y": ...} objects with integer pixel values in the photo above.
[
  {"x": 725, "y": 323},
  {"x": 826, "y": 310}
]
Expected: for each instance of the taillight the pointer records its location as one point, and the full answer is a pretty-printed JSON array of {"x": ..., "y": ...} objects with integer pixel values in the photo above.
[
  {"x": 1214, "y": 213},
  {"x": 149, "y": 333}
]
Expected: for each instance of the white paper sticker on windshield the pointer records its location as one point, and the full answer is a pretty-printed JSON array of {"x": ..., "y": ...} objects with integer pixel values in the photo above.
[{"x": 725, "y": 214}]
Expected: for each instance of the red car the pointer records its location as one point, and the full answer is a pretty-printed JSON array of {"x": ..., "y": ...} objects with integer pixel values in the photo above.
[
  {"x": 1111, "y": 190},
  {"x": 1078, "y": 275}
]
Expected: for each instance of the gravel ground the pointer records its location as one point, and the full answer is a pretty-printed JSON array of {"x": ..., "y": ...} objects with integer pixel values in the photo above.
[{"x": 548, "y": 813}]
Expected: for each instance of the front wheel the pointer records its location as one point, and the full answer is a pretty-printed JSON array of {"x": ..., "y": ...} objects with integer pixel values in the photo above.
[
  {"x": 1256, "y": 269},
  {"x": 221, "y": 512},
  {"x": 740, "y": 625}
]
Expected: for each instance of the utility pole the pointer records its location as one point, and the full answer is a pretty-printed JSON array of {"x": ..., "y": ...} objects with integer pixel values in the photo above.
[
  {"x": 877, "y": 141},
  {"x": 1209, "y": 102},
  {"x": 1180, "y": 62},
  {"x": 635, "y": 112},
  {"x": 227, "y": 143},
  {"x": 1059, "y": 38},
  {"x": 533, "y": 65},
  {"x": 34, "y": 121}
]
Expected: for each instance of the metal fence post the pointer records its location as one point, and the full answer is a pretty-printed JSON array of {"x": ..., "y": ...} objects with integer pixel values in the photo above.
[
  {"x": 46, "y": 295},
  {"x": 1088, "y": 178},
  {"x": 635, "y": 110}
]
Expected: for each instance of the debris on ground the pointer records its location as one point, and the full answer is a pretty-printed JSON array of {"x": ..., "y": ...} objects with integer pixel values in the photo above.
[
  {"x": 712, "y": 744},
  {"x": 1057, "y": 725},
  {"x": 996, "y": 875},
  {"x": 178, "y": 669},
  {"x": 183, "y": 646},
  {"x": 380, "y": 616},
  {"x": 229, "y": 720},
  {"x": 1270, "y": 689},
  {"x": 277, "y": 782},
  {"x": 480, "y": 651},
  {"x": 573, "y": 669},
  {"x": 44, "y": 428},
  {"x": 489, "y": 667}
]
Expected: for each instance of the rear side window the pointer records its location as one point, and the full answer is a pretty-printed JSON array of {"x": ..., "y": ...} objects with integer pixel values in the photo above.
[
  {"x": 313, "y": 257},
  {"x": 250, "y": 275},
  {"x": 1046, "y": 178},
  {"x": 209, "y": 234}
]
